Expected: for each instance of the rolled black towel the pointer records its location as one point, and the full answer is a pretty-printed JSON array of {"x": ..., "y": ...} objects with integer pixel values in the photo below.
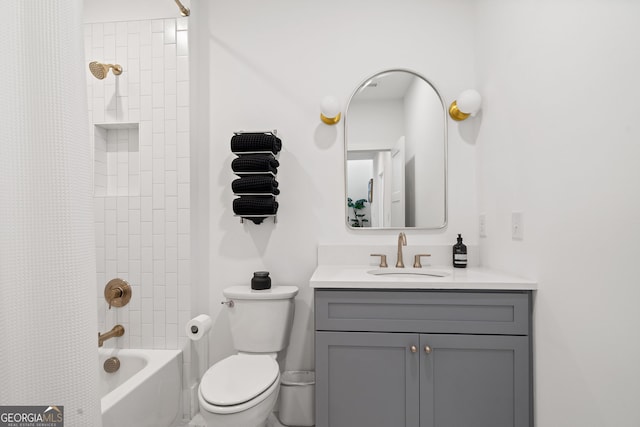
[
  {"x": 255, "y": 142},
  {"x": 255, "y": 205},
  {"x": 255, "y": 184},
  {"x": 255, "y": 163}
]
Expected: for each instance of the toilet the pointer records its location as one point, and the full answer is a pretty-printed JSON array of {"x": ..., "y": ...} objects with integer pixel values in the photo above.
[{"x": 242, "y": 389}]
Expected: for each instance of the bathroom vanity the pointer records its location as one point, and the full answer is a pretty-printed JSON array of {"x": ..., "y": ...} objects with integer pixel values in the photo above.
[{"x": 412, "y": 350}]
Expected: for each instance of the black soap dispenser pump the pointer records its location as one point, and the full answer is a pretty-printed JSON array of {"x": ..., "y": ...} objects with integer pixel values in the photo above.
[{"x": 460, "y": 253}]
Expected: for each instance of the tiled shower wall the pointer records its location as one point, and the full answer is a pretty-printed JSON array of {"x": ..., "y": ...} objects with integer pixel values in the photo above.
[{"x": 140, "y": 134}]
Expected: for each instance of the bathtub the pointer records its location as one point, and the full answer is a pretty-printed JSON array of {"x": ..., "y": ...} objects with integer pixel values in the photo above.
[{"x": 145, "y": 391}]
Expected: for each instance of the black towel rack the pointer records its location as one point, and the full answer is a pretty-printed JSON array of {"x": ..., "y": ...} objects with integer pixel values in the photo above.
[{"x": 257, "y": 218}]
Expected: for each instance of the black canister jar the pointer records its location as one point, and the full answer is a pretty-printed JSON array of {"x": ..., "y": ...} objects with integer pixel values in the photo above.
[{"x": 261, "y": 281}]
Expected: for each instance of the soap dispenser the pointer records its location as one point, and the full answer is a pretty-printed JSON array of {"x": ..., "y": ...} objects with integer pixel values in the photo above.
[{"x": 460, "y": 253}]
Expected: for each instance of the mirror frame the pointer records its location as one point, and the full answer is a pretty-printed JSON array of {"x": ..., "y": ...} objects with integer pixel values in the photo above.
[{"x": 446, "y": 154}]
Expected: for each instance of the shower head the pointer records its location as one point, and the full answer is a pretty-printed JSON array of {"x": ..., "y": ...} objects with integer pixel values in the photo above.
[{"x": 100, "y": 71}]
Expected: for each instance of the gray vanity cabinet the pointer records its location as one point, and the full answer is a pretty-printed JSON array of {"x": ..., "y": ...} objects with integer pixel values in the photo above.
[{"x": 422, "y": 359}]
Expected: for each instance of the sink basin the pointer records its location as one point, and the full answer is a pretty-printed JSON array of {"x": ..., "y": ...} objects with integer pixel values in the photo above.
[{"x": 408, "y": 272}]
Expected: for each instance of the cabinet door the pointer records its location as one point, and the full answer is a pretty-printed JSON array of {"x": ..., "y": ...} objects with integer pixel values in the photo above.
[
  {"x": 367, "y": 379},
  {"x": 474, "y": 381}
]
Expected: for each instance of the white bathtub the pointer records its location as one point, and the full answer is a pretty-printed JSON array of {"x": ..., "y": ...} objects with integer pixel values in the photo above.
[{"x": 145, "y": 391}]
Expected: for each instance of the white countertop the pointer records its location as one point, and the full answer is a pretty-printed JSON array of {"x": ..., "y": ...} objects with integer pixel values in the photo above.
[{"x": 470, "y": 278}]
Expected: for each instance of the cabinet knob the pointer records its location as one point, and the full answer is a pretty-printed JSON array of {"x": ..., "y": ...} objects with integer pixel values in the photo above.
[
  {"x": 427, "y": 349},
  {"x": 413, "y": 349}
]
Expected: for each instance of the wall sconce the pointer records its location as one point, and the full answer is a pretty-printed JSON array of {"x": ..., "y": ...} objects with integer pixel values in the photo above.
[
  {"x": 330, "y": 110},
  {"x": 467, "y": 104}
]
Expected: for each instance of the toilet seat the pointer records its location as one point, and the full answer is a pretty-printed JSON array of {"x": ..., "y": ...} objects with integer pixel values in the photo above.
[{"x": 238, "y": 379}]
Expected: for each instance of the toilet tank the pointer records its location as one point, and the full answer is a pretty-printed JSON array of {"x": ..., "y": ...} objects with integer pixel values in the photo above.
[{"x": 260, "y": 321}]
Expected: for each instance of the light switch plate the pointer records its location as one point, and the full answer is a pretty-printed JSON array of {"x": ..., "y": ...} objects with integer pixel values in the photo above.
[
  {"x": 517, "y": 226},
  {"x": 482, "y": 223}
]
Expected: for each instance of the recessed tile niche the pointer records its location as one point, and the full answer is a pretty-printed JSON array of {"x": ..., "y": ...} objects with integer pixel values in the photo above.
[{"x": 117, "y": 159}]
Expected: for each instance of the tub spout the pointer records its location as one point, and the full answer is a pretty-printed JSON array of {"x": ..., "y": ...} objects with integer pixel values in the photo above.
[{"x": 116, "y": 331}]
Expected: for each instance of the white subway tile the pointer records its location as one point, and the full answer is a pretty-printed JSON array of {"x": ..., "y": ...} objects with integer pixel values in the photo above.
[
  {"x": 158, "y": 274},
  {"x": 184, "y": 247},
  {"x": 148, "y": 340},
  {"x": 184, "y": 221},
  {"x": 184, "y": 170},
  {"x": 158, "y": 249},
  {"x": 182, "y": 43},
  {"x": 157, "y": 45},
  {"x": 158, "y": 196},
  {"x": 182, "y": 23},
  {"x": 184, "y": 297},
  {"x": 170, "y": 31},
  {"x": 182, "y": 67},
  {"x": 184, "y": 272},
  {"x": 146, "y": 210},
  {"x": 158, "y": 95},
  {"x": 158, "y": 120},
  {"x": 158, "y": 171},
  {"x": 145, "y": 32},
  {"x": 157, "y": 70},
  {"x": 182, "y": 143},
  {"x": 184, "y": 196},
  {"x": 146, "y": 184},
  {"x": 146, "y": 107},
  {"x": 146, "y": 262},
  {"x": 123, "y": 261},
  {"x": 170, "y": 134},
  {"x": 183, "y": 94},
  {"x": 183, "y": 119},
  {"x": 171, "y": 104},
  {"x": 171, "y": 261},
  {"x": 170, "y": 58},
  {"x": 121, "y": 33},
  {"x": 159, "y": 299},
  {"x": 171, "y": 337},
  {"x": 146, "y": 285},
  {"x": 134, "y": 247},
  {"x": 157, "y": 25},
  {"x": 111, "y": 248},
  {"x": 97, "y": 35},
  {"x": 170, "y": 82},
  {"x": 109, "y": 45},
  {"x": 123, "y": 234},
  {"x": 133, "y": 44},
  {"x": 172, "y": 310},
  {"x": 158, "y": 221},
  {"x": 171, "y": 210},
  {"x": 171, "y": 162},
  {"x": 171, "y": 182},
  {"x": 171, "y": 284}
]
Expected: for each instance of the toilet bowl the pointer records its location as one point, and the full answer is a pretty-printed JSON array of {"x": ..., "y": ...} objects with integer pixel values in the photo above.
[{"x": 240, "y": 390}]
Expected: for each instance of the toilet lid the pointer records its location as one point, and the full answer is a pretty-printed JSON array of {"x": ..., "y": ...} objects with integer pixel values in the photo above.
[{"x": 238, "y": 379}]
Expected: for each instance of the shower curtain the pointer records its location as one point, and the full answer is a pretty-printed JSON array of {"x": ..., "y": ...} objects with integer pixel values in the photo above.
[{"x": 48, "y": 325}]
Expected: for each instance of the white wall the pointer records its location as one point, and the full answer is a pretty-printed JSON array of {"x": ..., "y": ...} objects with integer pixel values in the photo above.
[
  {"x": 268, "y": 65},
  {"x": 130, "y": 10},
  {"x": 558, "y": 141}
]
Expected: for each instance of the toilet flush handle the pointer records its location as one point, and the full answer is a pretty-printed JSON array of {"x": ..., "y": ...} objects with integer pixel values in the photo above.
[{"x": 229, "y": 303}]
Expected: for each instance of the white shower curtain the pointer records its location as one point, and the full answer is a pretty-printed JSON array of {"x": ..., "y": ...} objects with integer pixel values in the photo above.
[{"x": 48, "y": 325}]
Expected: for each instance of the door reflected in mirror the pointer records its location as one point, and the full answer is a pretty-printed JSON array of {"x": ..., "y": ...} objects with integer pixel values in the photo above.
[{"x": 396, "y": 153}]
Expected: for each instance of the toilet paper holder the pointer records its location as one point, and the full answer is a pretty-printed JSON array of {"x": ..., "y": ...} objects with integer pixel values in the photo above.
[{"x": 117, "y": 293}]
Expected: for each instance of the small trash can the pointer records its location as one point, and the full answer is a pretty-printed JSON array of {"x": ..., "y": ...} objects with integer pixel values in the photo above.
[{"x": 297, "y": 401}]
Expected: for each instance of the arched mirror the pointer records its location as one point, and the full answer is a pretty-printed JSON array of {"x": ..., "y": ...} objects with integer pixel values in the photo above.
[{"x": 396, "y": 153}]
